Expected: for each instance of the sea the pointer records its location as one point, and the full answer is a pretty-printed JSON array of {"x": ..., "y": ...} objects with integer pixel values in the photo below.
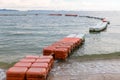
[{"x": 28, "y": 32}]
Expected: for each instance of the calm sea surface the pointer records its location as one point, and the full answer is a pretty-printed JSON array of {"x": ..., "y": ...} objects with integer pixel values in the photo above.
[{"x": 24, "y": 33}]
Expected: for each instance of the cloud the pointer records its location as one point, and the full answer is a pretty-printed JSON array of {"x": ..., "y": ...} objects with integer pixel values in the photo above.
[
  {"x": 61, "y": 4},
  {"x": 24, "y": 4}
]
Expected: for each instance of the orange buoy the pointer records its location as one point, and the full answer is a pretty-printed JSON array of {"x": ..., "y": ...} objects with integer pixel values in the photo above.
[{"x": 75, "y": 15}]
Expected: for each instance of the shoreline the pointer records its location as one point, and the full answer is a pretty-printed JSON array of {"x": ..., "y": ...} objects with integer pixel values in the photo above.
[
  {"x": 4, "y": 65},
  {"x": 87, "y": 67},
  {"x": 93, "y": 57}
]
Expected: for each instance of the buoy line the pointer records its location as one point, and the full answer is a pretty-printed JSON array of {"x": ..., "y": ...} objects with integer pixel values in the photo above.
[{"x": 97, "y": 28}]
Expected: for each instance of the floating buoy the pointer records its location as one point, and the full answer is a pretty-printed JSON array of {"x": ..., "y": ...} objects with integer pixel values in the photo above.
[
  {"x": 75, "y": 15},
  {"x": 99, "y": 27},
  {"x": 105, "y": 20},
  {"x": 23, "y": 64},
  {"x": 36, "y": 74},
  {"x": 55, "y": 14},
  {"x": 62, "y": 48},
  {"x": 31, "y": 68},
  {"x": 16, "y": 73}
]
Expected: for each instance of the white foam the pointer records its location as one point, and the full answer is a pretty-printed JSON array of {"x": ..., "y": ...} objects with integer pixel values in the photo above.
[
  {"x": 71, "y": 35},
  {"x": 2, "y": 74},
  {"x": 81, "y": 36}
]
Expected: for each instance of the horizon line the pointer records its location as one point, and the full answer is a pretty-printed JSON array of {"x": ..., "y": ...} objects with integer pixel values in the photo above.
[{"x": 51, "y": 10}]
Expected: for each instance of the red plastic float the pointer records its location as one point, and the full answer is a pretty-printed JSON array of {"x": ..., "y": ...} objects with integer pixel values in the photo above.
[
  {"x": 28, "y": 60},
  {"x": 32, "y": 57},
  {"x": 31, "y": 68},
  {"x": 16, "y": 72},
  {"x": 22, "y": 64},
  {"x": 75, "y": 15},
  {"x": 55, "y": 14},
  {"x": 36, "y": 74}
]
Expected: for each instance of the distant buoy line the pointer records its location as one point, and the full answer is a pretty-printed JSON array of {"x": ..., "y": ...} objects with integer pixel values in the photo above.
[{"x": 98, "y": 28}]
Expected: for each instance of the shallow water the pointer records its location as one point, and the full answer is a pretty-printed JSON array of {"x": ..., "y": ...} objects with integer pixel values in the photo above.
[
  {"x": 27, "y": 35},
  {"x": 74, "y": 69}
]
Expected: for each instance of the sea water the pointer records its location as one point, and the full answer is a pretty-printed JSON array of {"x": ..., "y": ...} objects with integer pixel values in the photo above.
[{"x": 27, "y": 33}]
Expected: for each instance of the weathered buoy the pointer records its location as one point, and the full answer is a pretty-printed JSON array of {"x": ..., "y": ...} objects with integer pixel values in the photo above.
[{"x": 99, "y": 27}]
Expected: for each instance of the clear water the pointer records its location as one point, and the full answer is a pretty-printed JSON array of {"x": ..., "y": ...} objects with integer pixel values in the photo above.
[{"x": 26, "y": 35}]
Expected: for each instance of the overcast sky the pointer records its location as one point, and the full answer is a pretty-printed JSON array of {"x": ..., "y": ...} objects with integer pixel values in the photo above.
[{"x": 61, "y": 4}]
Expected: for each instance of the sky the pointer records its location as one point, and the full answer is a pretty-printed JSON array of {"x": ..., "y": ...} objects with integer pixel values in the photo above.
[{"x": 61, "y": 4}]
